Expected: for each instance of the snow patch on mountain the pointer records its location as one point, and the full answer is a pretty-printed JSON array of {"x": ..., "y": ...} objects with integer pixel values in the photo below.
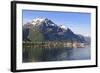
[
  {"x": 40, "y": 21},
  {"x": 63, "y": 27}
]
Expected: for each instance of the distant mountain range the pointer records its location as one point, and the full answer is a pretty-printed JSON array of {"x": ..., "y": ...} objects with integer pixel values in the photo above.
[{"x": 43, "y": 29}]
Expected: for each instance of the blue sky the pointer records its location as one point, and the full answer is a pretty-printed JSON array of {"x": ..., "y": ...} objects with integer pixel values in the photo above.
[{"x": 79, "y": 23}]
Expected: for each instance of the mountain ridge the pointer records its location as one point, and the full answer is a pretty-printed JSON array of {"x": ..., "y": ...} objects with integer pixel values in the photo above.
[{"x": 49, "y": 31}]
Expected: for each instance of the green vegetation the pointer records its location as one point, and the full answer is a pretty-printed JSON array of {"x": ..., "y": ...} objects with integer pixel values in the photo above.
[{"x": 35, "y": 35}]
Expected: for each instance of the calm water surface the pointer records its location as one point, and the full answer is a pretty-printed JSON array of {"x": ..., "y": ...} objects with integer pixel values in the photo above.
[{"x": 56, "y": 54}]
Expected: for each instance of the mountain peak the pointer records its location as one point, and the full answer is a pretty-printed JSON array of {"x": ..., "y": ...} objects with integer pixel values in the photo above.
[
  {"x": 63, "y": 27},
  {"x": 50, "y": 30},
  {"x": 41, "y": 21},
  {"x": 68, "y": 29}
]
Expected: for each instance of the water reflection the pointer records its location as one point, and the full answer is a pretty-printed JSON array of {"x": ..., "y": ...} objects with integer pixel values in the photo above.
[{"x": 55, "y": 54}]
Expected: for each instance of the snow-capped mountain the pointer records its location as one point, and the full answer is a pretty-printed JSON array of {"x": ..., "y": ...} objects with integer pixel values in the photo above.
[
  {"x": 42, "y": 21},
  {"x": 45, "y": 29},
  {"x": 63, "y": 27}
]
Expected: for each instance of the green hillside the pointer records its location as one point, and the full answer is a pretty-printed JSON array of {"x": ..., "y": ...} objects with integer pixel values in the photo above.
[{"x": 35, "y": 35}]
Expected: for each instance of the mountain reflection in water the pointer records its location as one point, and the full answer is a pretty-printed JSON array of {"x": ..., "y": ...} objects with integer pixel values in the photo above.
[{"x": 55, "y": 54}]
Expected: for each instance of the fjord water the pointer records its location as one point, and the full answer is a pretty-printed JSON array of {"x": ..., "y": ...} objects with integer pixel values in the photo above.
[{"x": 56, "y": 54}]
